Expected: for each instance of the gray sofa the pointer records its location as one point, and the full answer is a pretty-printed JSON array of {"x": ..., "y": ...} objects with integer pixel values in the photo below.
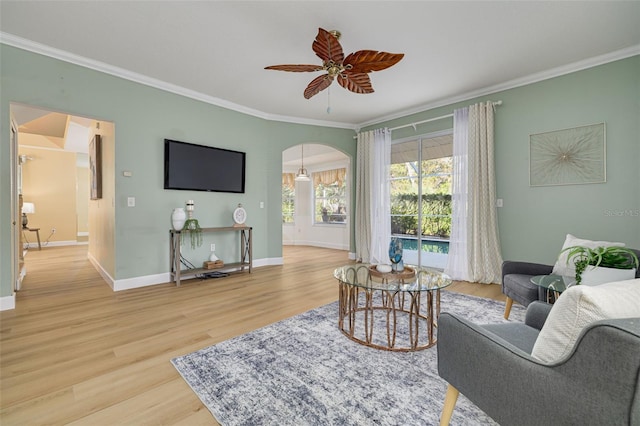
[
  {"x": 517, "y": 285},
  {"x": 597, "y": 384}
]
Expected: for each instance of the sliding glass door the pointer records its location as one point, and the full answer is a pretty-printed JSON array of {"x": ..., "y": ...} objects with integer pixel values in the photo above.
[{"x": 420, "y": 191}]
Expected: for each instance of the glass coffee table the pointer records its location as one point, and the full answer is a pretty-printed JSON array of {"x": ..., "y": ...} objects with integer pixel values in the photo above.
[
  {"x": 556, "y": 283},
  {"x": 395, "y": 311}
]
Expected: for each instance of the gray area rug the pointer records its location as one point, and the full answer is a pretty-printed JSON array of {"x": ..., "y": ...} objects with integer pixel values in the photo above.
[{"x": 304, "y": 371}]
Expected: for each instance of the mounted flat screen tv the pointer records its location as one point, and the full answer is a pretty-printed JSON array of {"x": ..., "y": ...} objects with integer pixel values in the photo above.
[{"x": 194, "y": 167}]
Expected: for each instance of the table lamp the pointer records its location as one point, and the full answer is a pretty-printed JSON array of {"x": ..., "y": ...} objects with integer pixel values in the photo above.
[{"x": 29, "y": 208}]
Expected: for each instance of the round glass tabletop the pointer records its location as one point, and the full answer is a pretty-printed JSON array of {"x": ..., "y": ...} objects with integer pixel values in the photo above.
[
  {"x": 553, "y": 282},
  {"x": 413, "y": 278}
]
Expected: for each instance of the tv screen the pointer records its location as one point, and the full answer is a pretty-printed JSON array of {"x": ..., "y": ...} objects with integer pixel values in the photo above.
[{"x": 202, "y": 168}]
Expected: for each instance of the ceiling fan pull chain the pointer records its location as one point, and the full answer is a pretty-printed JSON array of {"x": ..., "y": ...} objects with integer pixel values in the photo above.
[{"x": 328, "y": 100}]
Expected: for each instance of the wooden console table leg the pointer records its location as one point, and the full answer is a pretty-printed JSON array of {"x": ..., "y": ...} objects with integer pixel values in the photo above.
[{"x": 38, "y": 237}]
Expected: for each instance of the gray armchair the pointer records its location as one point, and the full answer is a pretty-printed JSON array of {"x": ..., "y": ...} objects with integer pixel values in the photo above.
[
  {"x": 597, "y": 384},
  {"x": 517, "y": 285}
]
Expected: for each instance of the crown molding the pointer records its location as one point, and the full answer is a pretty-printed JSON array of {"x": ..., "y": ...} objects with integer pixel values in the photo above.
[
  {"x": 42, "y": 49},
  {"x": 519, "y": 82}
]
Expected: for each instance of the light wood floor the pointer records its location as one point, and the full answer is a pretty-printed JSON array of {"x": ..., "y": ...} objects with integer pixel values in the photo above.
[{"x": 75, "y": 352}]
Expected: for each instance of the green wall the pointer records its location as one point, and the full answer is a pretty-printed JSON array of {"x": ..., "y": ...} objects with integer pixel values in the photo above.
[
  {"x": 143, "y": 117},
  {"x": 535, "y": 220}
]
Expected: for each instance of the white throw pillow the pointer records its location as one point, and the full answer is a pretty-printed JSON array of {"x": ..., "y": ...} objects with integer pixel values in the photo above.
[
  {"x": 578, "y": 307},
  {"x": 562, "y": 268}
]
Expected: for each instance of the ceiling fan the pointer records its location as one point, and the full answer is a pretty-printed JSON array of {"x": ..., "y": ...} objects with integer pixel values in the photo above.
[{"x": 351, "y": 72}]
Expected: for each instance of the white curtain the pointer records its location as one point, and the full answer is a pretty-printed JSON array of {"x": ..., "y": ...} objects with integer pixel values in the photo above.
[
  {"x": 373, "y": 211},
  {"x": 457, "y": 260},
  {"x": 474, "y": 249}
]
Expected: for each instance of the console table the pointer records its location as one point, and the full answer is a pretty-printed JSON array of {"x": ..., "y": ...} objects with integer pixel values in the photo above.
[{"x": 246, "y": 253}]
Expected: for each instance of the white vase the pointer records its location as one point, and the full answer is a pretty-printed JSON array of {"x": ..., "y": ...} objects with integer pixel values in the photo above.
[
  {"x": 596, "y": 275},
  {"x": 178, "y": 217}
]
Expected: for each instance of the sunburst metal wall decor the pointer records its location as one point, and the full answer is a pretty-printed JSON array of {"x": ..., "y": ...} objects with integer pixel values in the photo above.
[{"x": 570, "y": 156}]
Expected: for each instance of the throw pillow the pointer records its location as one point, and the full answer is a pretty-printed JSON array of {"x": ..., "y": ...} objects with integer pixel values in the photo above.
[
  {"x": 578, "y": 307},
  {"x": 562, "y": 268}
]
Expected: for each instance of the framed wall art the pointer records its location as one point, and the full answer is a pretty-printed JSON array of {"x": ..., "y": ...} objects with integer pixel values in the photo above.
[
  {"x": 95, "y": 167},
  {"x": 569, "y": 156}
]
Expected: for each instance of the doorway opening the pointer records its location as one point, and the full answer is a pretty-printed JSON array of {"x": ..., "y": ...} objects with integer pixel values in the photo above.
[
  {"x": 52, "y": 179},
  {"x": 316, "y": 211}
]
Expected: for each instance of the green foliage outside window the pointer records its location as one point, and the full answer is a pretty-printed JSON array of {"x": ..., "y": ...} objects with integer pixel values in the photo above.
[
  {"x": 288, "y": 203},
  {"x": 436, "y": 198},
  {"x": 436, "y": 219},
  {"x": 330, "y": 203}
]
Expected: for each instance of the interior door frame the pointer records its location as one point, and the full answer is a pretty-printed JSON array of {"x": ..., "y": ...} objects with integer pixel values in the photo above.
[{"x": 16, "y": 223}]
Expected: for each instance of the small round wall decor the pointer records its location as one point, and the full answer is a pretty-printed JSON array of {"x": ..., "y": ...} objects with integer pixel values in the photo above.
[{"x": 239, "y": 215}]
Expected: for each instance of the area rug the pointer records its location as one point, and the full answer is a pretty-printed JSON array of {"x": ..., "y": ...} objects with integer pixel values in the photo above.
[{"x": 304, "y": 371}]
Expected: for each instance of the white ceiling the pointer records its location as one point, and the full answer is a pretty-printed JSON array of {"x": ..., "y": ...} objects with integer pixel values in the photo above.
[{"x": 217, "y": 50}]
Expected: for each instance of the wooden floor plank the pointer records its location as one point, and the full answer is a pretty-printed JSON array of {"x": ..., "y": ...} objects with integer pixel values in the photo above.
[{"x": 75, "y": 352}]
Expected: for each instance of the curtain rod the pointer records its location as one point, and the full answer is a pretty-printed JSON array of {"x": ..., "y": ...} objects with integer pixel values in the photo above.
[{"x": 496, "y": 103}]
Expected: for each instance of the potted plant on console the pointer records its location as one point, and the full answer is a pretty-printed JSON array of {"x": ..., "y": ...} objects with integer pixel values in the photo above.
[
  {"x": 602, "y": 264},
  {"x": 192, "y": 226}
]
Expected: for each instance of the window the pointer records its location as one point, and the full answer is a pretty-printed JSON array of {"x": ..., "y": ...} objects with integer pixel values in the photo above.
[
  {"x": 420, "y": 191},
  {"x": 288, "y": 197},
  {"x": 330, "y": 198}
]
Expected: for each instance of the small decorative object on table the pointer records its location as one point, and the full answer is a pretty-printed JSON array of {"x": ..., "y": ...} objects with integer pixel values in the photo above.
[
  {"x": 178, "y": 218},
  {"x": 383, "y": 269},
  {"x": 213, "y": 265},
  {"x": 395, "y": 254},
  {"x": 407, "y": 273},
  {"x": 239, "y": 215},
  {"x": 212, "y": 256},
  {"x": 192, "y": 226}
]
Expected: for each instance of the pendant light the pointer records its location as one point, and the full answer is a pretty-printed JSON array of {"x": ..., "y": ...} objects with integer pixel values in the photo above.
[{"x": 302, "y": 175}]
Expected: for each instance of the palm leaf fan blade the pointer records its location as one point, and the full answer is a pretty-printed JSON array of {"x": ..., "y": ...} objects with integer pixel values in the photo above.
[
  {"x": 356, "y": 82},
  {"x": 294, "y": 68},
  {"x": 317, "y": 85},
  {"x": 365, "y": 61},
  {"x": 327, "y": 47}
]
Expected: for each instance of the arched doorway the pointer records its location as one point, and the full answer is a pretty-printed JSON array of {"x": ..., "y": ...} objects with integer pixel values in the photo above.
[{"x": 316, "y": 212}]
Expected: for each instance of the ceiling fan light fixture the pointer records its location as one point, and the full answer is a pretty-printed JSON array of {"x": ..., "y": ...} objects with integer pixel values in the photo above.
[{"x": 352, "y": 71}]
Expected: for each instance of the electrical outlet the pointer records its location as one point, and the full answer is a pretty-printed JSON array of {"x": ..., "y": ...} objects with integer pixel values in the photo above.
[
  {"x": 53, "y": 230},
  {"x": 213, "y": 247}
]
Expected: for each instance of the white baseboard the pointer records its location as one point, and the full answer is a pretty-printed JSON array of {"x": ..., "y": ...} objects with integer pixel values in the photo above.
[
  {"x": 32, "y": 245},
  {"x": 143, "y": 281},
  {"x": 105, "y": 275},
  {"x": 155, "y": 279},
  {"x": 268, "y": 262},
  {"x": 8, "y": 302},
  {"x": 315, "y": 244}
]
